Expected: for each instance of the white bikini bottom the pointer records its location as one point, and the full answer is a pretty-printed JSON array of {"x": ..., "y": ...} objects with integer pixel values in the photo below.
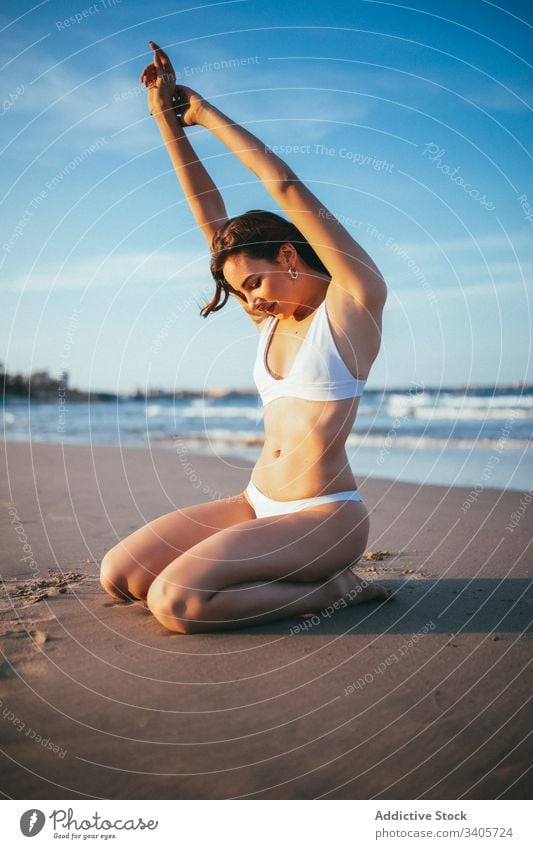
[{"x": 264, "y": 506}]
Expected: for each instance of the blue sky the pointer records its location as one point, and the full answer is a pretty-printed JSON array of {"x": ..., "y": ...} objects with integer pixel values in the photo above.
[{"x": 413, "y": 126}]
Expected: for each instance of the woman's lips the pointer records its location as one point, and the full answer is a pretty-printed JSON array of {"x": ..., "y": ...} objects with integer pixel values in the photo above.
[{"x": 267, "y": 307}]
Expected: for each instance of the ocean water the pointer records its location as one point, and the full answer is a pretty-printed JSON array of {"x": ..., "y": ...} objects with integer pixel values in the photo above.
[{"x": 479, "y": 437}]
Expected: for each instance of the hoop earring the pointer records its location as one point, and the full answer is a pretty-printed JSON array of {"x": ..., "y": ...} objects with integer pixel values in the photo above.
[{"x": 293, "y": 272}]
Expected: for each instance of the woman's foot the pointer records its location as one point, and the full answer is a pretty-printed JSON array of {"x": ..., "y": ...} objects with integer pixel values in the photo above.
[{"x": 356, "y": 590}]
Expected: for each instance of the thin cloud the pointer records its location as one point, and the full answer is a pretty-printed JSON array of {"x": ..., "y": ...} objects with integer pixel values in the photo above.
[{"x": 138, "y": 268}]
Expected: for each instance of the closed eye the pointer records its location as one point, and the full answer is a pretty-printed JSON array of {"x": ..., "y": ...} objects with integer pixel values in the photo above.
[
  {"x": 235, "y": 291},
  {"x": 247, "y": 287}
]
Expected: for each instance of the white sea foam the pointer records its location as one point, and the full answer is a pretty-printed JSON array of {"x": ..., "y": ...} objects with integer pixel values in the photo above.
[
  {"x": 469, "y": 414},
  {"x": 154, "y": 410},
  {"x": 421, "y": 442},
  {"x": 219, "y": 412},
  {"x": 234, "y": 438}
]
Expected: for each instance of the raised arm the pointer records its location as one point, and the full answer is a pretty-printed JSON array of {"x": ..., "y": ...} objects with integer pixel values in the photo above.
[
  {"x": 348, "y": 263},
  {"x": 203, "y": 197}
]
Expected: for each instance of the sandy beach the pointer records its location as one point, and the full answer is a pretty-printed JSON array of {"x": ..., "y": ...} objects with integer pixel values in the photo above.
[{"x": 426, "y": 697}]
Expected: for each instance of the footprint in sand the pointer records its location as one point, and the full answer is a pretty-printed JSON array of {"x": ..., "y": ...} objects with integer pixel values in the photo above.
[
  {"x": 19, "y": 594},
  {"x": 22, "y": 643}
]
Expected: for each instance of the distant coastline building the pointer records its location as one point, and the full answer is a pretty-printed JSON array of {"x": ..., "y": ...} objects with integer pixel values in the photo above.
[{"x": 40, "y": 379}]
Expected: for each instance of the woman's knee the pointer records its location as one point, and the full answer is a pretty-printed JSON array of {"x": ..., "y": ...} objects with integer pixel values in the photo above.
[
  {"x": 117, "y": 575},
  {"x": 177, "y": 608},
  {"x": 112, "y": 579}
]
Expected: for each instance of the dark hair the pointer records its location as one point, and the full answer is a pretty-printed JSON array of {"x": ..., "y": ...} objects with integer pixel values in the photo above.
[{"x": 258, "y": 234}]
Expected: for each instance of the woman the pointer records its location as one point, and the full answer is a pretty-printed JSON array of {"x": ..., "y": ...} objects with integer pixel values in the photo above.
[{"x": 285, "y": 545}]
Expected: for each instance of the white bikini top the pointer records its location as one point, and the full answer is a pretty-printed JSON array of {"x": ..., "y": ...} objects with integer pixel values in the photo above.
[{"x": 318, "y": 373}]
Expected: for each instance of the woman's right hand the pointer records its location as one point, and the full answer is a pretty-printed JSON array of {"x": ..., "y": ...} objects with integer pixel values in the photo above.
[
  {"x": 160, "y": 80},
  {"x": 163, "y": 94}
]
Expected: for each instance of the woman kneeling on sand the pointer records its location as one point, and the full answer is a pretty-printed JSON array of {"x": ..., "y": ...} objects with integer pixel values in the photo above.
[{"x": 286, "y": 544}]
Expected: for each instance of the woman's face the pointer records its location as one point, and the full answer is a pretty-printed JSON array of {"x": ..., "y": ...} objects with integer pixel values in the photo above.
[{"x": 266, "y": 286}]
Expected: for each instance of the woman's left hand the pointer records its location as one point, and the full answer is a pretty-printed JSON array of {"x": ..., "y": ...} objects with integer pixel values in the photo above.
[{"x": 188, "y": 105}]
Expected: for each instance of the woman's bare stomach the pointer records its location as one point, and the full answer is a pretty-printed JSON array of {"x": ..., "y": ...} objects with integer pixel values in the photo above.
[{"x": 304, "y": 451}]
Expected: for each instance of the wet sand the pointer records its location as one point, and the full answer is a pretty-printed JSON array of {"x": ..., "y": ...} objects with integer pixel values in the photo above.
[{"x": 427, "y": 697}]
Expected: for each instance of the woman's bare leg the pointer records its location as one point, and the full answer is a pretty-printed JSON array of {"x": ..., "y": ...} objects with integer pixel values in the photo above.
[
  {"x": 237, "y": 607},
  {"x": 128, "y": 569},
  {"x": 265, "y": 570}
]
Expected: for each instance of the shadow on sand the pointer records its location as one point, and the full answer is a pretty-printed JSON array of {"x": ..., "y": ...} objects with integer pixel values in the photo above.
[{"x": 446, "y": 606}]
